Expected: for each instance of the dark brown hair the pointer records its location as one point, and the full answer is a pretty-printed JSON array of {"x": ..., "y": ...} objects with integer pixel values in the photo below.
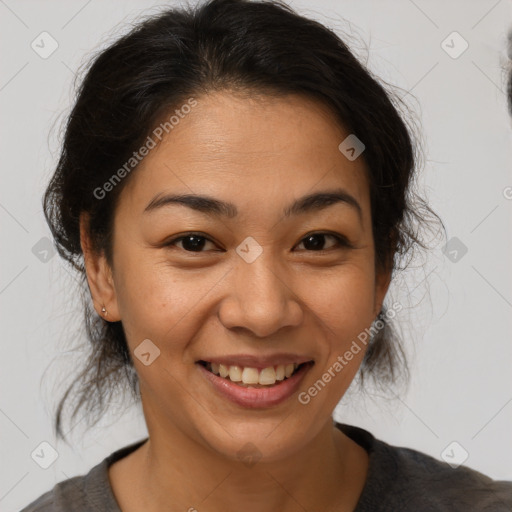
[{"x": 252, "y": 46}]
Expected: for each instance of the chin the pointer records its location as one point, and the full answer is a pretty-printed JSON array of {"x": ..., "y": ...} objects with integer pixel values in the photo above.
[{"x": 257, "y": 440}]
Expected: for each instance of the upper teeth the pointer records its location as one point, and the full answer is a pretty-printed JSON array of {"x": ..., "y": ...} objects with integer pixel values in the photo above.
[{"x": 248, "y": 375}]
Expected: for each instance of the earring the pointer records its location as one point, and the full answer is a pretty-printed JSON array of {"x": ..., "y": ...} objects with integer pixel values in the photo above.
[{"x": 104, "y": 311}]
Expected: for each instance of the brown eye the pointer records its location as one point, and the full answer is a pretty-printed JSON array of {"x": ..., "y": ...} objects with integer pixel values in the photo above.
[
  {"x": 192, "y": 242},
  {"x": 316, "y": 241}
]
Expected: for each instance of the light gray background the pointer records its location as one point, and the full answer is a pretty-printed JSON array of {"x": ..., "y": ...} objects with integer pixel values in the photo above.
[{"x": 458, "y": 323}]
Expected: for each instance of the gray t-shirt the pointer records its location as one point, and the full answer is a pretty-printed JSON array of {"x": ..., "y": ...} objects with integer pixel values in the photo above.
[{"x": 399, "y": 479}]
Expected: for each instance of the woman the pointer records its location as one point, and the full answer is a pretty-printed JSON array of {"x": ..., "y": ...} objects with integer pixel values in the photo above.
[{"x": 235, "y": 187}]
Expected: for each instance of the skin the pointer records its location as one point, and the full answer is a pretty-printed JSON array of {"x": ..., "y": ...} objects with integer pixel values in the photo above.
[{"x": 260, "y": 153}]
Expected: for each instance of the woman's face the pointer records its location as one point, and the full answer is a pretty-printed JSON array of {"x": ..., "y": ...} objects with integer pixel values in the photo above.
[{"x": 253, "y": 282}]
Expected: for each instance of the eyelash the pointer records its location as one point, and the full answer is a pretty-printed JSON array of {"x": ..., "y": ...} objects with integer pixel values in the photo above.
[{"x": 342, "y": 241}]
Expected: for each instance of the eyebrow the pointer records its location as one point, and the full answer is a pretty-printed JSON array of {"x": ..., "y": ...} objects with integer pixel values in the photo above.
[{"x": 210, "y": 206}]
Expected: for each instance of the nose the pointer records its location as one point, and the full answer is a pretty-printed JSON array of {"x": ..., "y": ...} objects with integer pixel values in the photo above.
[{"x": 260, "y": 298}]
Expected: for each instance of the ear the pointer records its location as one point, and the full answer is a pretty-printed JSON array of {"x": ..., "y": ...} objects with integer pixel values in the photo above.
[
  {"x": 99, "y": 276},
  {"x": 382, "y": 281}
]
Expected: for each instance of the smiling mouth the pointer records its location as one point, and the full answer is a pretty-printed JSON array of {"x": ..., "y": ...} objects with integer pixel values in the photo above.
[{"x": 253, "y": 377}]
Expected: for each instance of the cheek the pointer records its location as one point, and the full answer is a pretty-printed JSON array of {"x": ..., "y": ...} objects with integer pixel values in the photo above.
[
  {"x": 160, "y": 303},
  {"x": 344, "y": 300},
  {"x": 343, "y": 307},
  {"x": 342, "y": 312}
]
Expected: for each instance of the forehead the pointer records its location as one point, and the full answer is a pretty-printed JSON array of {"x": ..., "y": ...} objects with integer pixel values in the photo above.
[{"x": 248, "y": 149}]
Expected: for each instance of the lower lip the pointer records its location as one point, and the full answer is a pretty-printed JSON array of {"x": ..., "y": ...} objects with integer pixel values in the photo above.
[{"x": 256, "y": 398}]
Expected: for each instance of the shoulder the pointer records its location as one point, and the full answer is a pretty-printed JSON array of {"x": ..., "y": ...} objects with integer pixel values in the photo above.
[
  {"x": 427, "y": 480},
  {"x": 401, "y": 478},
  {"x": 86, "y": 492},
  {"x": 66, "y": 495}
]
